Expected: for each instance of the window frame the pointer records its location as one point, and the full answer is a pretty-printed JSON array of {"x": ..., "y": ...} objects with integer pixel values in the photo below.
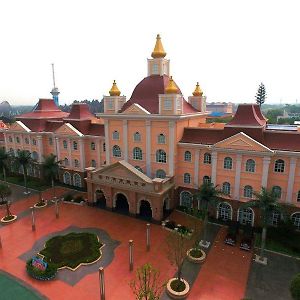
[{"x": 187, "y": 156}]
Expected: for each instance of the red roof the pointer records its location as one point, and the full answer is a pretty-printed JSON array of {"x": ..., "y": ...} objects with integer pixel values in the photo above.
[
  {"x": 80, "y": 111},
  {"x": 248, "y": 115},
  {"x": 146, "y": 94}
]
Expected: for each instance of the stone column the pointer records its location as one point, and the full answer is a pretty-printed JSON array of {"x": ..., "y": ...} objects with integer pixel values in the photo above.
[
  {"x": 82, "y": 155},
  {"x": 148, "y": 148},
  {"x": 291, "y": 180},
  {"x": 237, "y": 180},
  {"x": 125, "y": 139},
  {"x": 171, "y": 147},
  {"x": 265, "y": 172},
  {"x": 40, "y": 147},
  {"x": 196, "y": 168},
  {"x": 57, "y": 149},
  {"x": 214, "y": 162},
  {"x": 98, "y": 150},
  {"x": 70, "y": 153},
  {"x": 106, "y": 133}
]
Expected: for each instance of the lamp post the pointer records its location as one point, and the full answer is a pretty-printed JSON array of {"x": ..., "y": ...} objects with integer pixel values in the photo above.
[
  {"x": 130, "y": 255},
  {"x": 32, "y": 218},
  {"x": 102, "y": 283},
  {"x": 56, "y": 209},
  {"x": 148, "y": 237},
  {"x": 0, "y": 243}
]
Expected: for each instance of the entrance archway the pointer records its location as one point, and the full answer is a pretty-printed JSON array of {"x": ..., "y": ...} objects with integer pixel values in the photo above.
[
  {"x": 122, "y": 205},
  {"x": 145, "y": 210},
  {"x": 100, "y": 199}
]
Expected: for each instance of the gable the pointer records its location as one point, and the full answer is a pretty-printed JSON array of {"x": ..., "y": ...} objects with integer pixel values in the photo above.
[
  {"x": 124, "y": 170},
  {"x": 68, "y": 129},
  {"x": 19, "y": 126},
  {"x": 136, "y": 109},
  {"x": 242, "y": 141}
]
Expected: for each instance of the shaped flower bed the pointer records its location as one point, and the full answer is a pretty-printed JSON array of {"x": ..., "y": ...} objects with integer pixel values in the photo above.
[
  {"x": 171, "y": 225},
  {"x": 72, "y": 250}
]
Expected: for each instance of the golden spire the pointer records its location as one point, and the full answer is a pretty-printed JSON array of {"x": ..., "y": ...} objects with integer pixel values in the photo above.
[
  {"x": 114, "y": 91},
  {"x": 158, "y": 51},
  {"x": 171, "y": 88},
  {"x": 197, "y": 92}
]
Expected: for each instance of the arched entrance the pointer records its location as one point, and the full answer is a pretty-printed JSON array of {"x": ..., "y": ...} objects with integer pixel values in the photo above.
[
  {"x": 100, "y": 199},
  {"x": 122, "y": 205},
  {"x": 145, "y": 210}
]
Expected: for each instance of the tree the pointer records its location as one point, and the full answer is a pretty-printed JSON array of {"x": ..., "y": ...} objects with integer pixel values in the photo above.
[
  {"x": 209, "y": 196},
  {"x": 147, "y": 284},
  {"x": 261, "y": 94},
  {"x": 23, "y": 160},
  {"x": 5, "y": 191},
  {"x": 50, "y": 168},
  {"x": 295, "y": 287},
  {"x": 266, "y": 202},
  {"x": 3, "y": 161}
]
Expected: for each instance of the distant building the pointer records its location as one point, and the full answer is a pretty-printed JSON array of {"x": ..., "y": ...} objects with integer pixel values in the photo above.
[
  {"x": 219, "y": 109},
  {"x": 287, "y": 115}
]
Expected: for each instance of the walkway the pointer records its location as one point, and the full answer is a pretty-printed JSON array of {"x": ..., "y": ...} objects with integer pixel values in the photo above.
[{"x": 224, "y": 274}]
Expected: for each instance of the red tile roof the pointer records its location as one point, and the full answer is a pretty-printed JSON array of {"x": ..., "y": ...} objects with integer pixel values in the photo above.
[
  {"x": 147, "y": 91},
  {"x": 80, "y": 111}
]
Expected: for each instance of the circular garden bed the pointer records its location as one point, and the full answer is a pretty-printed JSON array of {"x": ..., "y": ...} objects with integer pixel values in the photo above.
[
  {"x": 196, "y": 255},
  {"x": 8, "y": 219},
  {"x": 40, "y": 204},
  {"x": 178, "y": 289},
  {"x": 72, "y": 250}
]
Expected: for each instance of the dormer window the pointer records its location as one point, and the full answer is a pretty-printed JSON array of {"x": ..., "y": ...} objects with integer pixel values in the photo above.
[{"x": 167, "y": 104}]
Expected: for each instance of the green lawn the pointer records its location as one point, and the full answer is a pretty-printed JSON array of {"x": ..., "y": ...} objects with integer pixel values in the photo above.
[{"x": 12, "y": 289}]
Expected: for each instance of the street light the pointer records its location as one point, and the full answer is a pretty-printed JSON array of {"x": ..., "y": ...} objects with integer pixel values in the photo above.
[
  {"x": 148, "y": 237},
  {"x": 56, "y": 209},
  {"x": 32, "y": 219},
  {"x": 102, "y": 283},
  {"x": 130, "y": 255}
]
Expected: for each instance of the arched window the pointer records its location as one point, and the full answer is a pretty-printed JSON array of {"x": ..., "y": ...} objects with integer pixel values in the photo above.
[
  {"x": 296, "y": 219},
  {"x": 65, "y": 144},
  {"x": 226, "y": 188},
  {"x": 115, "y": 135},
  {"x": 250, "y": 165},
  {"x": 34, "y": 142},
  {"x": 224, "y": 211},
  {"x": 187, "y": 178},
  {"x": 137, "y": 137},
  {"x": 116, "y": 151},
  {"x": 206, "y": 180},
  {"x": 76, "y": 163},
  {"x": 104, "y": 147},
  {"x": 75, "y": 145},
  {"x": 26, "y": 141},
  {"x": 246, "y": 216},
  {"x": 274, "y": 218},
  {"x": 161, "y": 156},
  {"x": 93, "y": 163},
  {"x": 279, "y": 166},
  {"x": 160, "y": 174},
  {"x": 10, "y": 139},
  {"x": 207, "y": 158},
  {"x": 137, "y": 153},
  {"x": 161, "y": 139},
  {"x": 35, "y": 155},
  {"x": 228, "y": 163},
  {"x": 277, "y": 191},
  {"x": 93, "y": 146},
  {"x": 298, "y": 196},
  {"x": 248, "y": 191},
  {"x": 67, "y": 178},
  {"x": 186, "y": 199},
  {"x": 66, "y": 161},
  {"x": 187, "y": 156},
  {"x": 77, "y": 180},
  {"x": 139, "y": 168},
  {"x": 18, "y": 140}
]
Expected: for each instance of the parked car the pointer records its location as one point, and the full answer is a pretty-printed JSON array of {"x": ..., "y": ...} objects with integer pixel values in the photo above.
[
  {"x": 232, "y": 233},
  {"x": 247, "y": 237}
]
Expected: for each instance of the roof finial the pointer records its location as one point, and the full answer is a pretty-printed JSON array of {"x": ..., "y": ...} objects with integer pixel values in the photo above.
[
  {"x": 158, "y": 51},
  {"x": 171, "y": 88},
  {"x": 114, "y": 91},
  {"x": 197, "y": 92}
]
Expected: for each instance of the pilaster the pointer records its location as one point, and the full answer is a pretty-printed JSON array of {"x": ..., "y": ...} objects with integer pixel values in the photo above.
[
  {"x": 291, "y": 180},
  {"x": 265, "y": 172},
  {"x": 237, "y": 181},
  {"x": 40, "y": 147},
  {"x": 82, "y": 155},
  {"x": 148, "y": 148},
  {"x": 171, "y": 147},
  {"x": 196, "y": 168},
  {"x": 214, "y": 162},
  {"x": 125, "y": 139},
  {"x": 107, "y": 152}
]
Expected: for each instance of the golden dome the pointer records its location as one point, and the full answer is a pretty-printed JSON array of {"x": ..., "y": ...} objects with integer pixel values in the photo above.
[
  {"x": 171, "y": 88},
  {"x": 197, "y": 92},
  {"x": 158, "y": 51},
  {"x": 114, "y": 91}
]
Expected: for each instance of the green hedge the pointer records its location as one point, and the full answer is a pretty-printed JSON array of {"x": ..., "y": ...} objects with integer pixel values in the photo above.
[{"x": 295, "y": 287}]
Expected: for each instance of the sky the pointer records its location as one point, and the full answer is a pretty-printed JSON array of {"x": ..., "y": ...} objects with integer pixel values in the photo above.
[{"x": 228, "y": 46}]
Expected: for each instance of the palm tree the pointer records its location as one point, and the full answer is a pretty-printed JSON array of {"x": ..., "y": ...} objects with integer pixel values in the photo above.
[
  {"x": 209, "y": 196},
  {"x": 50, "y": 168},
  {"x": 3, "y": 160},
  {"x": 266, "y": 202},
  {"x": 23, "y": 160},
  {"x": 5, "y": 191}
]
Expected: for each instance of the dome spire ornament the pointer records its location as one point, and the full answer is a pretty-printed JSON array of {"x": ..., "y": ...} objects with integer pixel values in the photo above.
[
  {"x": 114, "y": 91},
  {"x": 171, "y": 88},
  {"x": 158, "y": 51},
  {"x": 197, "y": 92}
]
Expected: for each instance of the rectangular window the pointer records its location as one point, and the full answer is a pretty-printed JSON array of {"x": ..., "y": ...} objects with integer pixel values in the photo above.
[
  {"x": 168, "y": 104},
  {"x": 155, "y": 69},
  {"x": 110, "y": 104}
]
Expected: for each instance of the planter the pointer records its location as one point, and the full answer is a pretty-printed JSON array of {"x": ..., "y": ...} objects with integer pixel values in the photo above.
[
  {"x": 178, "y": 295},
  {"x": 14, "y": 217},
  {"x": 40, "y": 206},
  {"x": 165, "y": 226},
  {"x": 196, "y": 260},
  {"x": 76, "y": 203}
]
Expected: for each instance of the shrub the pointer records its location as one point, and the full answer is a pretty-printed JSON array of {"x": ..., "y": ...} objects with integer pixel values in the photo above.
[
  {"x": 78, "y": 199},
  {"x": 48, "y": 274},
  {"x": 295, "y": 287},
  {"x": 68, "y": 197}
]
